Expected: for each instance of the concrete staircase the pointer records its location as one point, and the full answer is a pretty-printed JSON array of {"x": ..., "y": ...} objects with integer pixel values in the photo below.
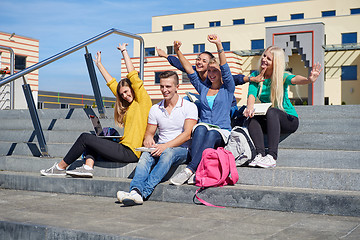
[{"x": 318, "y": 167}]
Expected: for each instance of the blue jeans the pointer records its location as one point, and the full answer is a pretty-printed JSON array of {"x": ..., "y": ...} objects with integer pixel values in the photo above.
[
  {"x": 145, "y": 179},
  {"x": 202, "y": 139}
]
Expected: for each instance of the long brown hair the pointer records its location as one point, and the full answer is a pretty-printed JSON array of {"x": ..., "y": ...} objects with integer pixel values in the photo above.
[{"x": 121, "y": 105}]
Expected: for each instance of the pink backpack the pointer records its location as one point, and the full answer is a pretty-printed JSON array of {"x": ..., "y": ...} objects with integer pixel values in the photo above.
[{"x": 216, "y": 169}]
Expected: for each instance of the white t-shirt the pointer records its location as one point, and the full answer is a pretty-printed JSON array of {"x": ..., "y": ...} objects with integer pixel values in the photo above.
[{"x": 172, "y": 125}]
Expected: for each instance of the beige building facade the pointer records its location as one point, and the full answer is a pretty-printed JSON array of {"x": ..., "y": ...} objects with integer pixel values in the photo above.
[
  {"x": 26, "y": 52},
  {"x": 243, "y": 33}
]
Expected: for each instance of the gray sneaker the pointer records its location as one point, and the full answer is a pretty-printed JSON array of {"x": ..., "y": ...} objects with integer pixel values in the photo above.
[
  {"x": 81, "y": 172},
  {"x": 53, "y": 171},
  {"x": 181, "y": 177}
]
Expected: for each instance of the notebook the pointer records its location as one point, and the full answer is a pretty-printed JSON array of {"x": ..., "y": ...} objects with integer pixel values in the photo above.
[
  {"x": 144, "y": 149},
  {"x": 261, "y": 108}
]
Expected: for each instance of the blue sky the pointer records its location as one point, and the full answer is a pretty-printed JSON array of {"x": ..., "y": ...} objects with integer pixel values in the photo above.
[{"x": 61, "y": 24}]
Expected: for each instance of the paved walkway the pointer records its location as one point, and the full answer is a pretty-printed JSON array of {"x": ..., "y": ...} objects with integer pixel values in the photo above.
[{"x": 161, "y": 220}]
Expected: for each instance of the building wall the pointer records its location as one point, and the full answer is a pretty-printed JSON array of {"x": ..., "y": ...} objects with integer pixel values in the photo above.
[
  {"x": 240, "y": 37},
  {"x": 26, "y": 47},
  {"x": 48, "y": 99}
]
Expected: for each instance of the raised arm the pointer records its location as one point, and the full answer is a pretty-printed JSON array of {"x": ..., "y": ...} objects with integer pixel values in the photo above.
[
  {"x": 213, "y": 38},
  {"x": 101, "y": 68},
  {"x": 184, "y": 62},
  {"x": 128, "y": 63},
  {"x": 314, "y": 74}
]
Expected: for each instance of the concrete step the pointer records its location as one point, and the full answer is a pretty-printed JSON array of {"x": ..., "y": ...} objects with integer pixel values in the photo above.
[
  {"x": 338, "y": 159},
  {"x": 294, "y": 177},
  {"x": 258, "y": 197},
  {"x": 340, "y": 141},
  {"x": 328, "y": 111},
  {"x": 73, "y": 113},
  {"x": 55, "y": 124},
  {"x": 329, "y": 126},
  {"x": 32, "y": 149},
  {"x": 37, "y": 215}
]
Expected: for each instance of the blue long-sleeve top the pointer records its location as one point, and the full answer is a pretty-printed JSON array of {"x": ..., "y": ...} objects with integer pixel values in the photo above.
[{"x": 220, "y": 113}]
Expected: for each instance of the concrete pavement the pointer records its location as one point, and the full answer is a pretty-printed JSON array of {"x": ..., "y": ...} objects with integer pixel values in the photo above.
[{"x": 39, "y": 215}]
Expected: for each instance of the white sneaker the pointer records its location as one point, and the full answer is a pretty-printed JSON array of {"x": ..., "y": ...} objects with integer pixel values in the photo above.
[
  {"x": 121, "y": 195},
  {"x": 181, "y": 177},
  {"x": 267, "y": 162},
  {"x": 192, "y": 180},
  {"x": 254, "y": 162},
  {"x": 133, "y": 198}
]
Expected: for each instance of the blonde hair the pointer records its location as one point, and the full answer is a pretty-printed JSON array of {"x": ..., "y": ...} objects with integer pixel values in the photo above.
[
  {"x": 121, "y": 105},
  {"x": 277, "y": 76}
]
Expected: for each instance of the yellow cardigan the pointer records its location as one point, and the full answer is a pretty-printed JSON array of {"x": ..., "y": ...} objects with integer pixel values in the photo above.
[{"x": 135, "y": 119}]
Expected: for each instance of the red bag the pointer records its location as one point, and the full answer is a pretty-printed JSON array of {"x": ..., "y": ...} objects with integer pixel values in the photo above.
[{"x": 216, "y": 169}]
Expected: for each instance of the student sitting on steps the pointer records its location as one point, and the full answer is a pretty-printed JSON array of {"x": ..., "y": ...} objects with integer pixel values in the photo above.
[
  {"x": 281, "y": 117},
  {"x": 131, "y": 112},
  {"x": 174, "y": 118}
]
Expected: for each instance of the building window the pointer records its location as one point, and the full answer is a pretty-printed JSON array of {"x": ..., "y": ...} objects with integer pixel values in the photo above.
[
  {"x": 257, "y": 44},
  {"x": 355, "y": 11},
  {"x": 226, "y": 46},
  {"x": 239, "y": 21},
  {"x": 170, "y": 50},
  {"x": 297, "y": 16},
  {"x": 64, "y": 105},
  {"x": 215, "y": 24},
  {"x": 149, "y": 51},
  {"x": 270, "y": 19},
  {"x": 349, "y": 38},
  {"x": 20, "y": 62},
  {"x": 189, "y": 26},
  {"x": 40, "y": 105},
  {"x": 185, "y": 78},
  {"x": 328, "y": 13},
  {"x": 157, "y": 79},
  {"x": 167, "y": 28},
  {"x": 198, "y": 48},
  {"x": 348, "y": 73}
]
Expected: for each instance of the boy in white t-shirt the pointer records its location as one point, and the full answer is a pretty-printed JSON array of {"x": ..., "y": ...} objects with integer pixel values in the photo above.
[{"x": 175, "y": 119}]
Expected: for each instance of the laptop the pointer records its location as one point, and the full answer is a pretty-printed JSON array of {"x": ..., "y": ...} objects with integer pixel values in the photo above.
[{"x": 98, "y": 128}]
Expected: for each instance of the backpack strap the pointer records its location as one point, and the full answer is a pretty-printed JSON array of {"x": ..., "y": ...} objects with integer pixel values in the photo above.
[
  {"x": 234, "y": 175},
  {"x": 203, "y": 201}
]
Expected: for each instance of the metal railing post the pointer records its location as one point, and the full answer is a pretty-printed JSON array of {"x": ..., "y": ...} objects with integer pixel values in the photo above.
[
  {"x": 94, "y": 84},
  {"x": 35, "y": 119}
]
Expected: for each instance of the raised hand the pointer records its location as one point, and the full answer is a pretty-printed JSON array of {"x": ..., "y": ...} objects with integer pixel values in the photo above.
[
  {"x": 315, "y": 72},
  {"x": 122, "y": 47},
  {"x": 258, "y": 78},
  {"x": 213, "y": 38},
  {"x": 177, "y": 45},
  {"x": 161, "y": 53},
  {"x": 97, "y": 59}
]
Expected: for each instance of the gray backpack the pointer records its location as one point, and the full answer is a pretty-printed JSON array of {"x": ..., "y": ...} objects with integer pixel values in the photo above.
[{"x": 241, "y": 146}]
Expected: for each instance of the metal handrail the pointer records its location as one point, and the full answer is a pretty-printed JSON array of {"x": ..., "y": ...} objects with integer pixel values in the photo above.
[
  {"x": 12, "y": 67},
  {"x": 76, "y": 48}
]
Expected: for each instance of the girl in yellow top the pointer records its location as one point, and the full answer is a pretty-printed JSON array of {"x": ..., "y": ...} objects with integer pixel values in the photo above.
[{"x": 131, "y": 112}]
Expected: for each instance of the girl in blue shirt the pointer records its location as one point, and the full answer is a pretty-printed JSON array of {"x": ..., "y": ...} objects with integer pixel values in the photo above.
[
  {"x": 215, "y": 104},
  {"x": 281, "y": 117}
]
